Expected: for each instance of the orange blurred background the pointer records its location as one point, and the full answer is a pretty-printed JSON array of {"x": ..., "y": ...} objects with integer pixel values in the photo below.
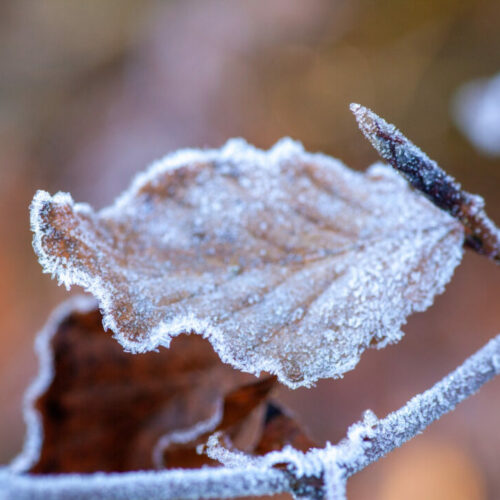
[{"x": 91, "y": 92}]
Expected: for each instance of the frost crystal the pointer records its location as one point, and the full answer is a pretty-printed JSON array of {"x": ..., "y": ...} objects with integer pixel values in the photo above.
[{"x": 288, "y": 262}]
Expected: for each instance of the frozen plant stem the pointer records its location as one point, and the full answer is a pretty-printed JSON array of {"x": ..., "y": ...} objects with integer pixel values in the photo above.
[
  {"x": 404, "y": 424},
  {"x": 366, "y": 442},
  {"x": 426, "y": 176},
  {"x": 151, "y": 485}
]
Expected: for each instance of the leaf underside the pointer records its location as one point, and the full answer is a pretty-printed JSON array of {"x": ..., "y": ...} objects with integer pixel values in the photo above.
[{"x": 288, "y": 262}]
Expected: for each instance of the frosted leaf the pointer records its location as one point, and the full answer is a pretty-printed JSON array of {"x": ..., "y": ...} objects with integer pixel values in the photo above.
[
  {"x": 89, "y": 394},
  {"x": 476, "y": 109},
  {"x": 288, "y": 262},
  {"x": 33, "y": 419}
]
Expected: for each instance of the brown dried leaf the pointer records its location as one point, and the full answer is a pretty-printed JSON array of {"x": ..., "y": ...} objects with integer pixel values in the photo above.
[
  {"x": 102, "y": 409},
  {"x": 288, "y": 262},
  {"x": 180, "y": 449}
]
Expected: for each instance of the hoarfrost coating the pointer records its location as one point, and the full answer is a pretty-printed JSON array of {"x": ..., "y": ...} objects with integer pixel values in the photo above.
[
  {"x": 427, "y": 177},
  {"x": 287, "y": 261}
]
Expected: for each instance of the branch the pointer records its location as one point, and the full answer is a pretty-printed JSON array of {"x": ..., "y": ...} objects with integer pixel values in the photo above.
[
  {"x": 366, "y": 442},
  {"x": 208, "y": 482},
  {"x": 426, "y": 176},
  {"x": 372, "y": 439}
]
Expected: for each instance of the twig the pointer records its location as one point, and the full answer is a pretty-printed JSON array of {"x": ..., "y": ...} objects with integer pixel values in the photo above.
[
  {"x": 381, "y": 437},
  {"x": 425, "y": 175},
  {"x": 148, "y": 485},
  {"x": 366, "y": 442}
]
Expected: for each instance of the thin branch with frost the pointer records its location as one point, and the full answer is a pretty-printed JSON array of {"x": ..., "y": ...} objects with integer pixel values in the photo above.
[
  {"x": 152, "y": 485},
  {"x": 379, "y": 437},
  {"x": 429, "y": 178},
  {"x": 366, "y": 442}
]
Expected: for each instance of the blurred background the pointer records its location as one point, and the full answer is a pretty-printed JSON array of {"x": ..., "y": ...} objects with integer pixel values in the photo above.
[{"x": 92, "y": 92}]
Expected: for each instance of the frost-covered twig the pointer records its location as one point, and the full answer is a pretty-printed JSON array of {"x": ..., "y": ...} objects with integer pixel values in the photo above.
[
  {"x": 147, "y": 485},
  {"x": 425, "y": 175},
  {"x": 375, "y": 438},
  {"x": 366, "y": 442}
]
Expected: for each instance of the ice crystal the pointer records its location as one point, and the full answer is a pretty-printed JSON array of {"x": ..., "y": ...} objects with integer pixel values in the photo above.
[{"x": 287, "y": 261}]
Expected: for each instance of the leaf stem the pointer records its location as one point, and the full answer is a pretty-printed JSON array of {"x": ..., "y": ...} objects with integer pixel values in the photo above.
[{"x": 426, "y": 176}]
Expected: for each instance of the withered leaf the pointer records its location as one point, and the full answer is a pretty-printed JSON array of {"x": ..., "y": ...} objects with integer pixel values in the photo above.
[
  {"x": 181, "y": 449},
  {"x": 288, "y": 262},
  {"x": 95, "y": 407}
]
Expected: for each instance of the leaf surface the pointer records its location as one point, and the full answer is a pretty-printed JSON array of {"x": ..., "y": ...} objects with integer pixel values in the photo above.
[
  {"x": 288, "y": 262},
  {"x": 95, "y": 407}
]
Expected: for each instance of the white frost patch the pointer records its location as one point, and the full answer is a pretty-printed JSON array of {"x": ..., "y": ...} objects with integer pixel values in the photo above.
[
  {"x": 476, "y": 109},
  {"x": 215, "y": 450},
  {"x": 313, "y": 463}
]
